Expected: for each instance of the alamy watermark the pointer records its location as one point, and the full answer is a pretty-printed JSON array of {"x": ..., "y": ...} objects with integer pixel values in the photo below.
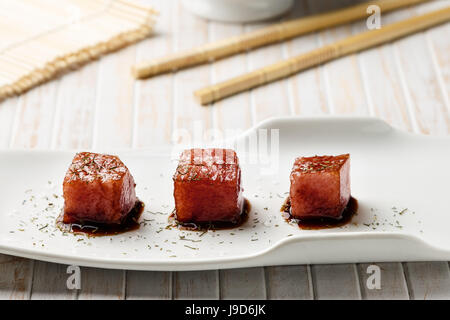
[
  {"x": 374, "y": 20},
  {"x": 74, "y": 280},
  {"x": 373, "y": 282},
  {"x": 259, "y": 147}
]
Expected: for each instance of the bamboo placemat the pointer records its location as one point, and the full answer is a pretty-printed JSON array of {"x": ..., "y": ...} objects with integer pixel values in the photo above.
[{"x": 40, "y": 39}]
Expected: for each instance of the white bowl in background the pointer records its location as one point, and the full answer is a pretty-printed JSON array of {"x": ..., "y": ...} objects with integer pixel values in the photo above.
[{"x": 237, "y": 10}]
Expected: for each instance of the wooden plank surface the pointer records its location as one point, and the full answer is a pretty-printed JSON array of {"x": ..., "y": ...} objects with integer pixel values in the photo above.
[
  {"x": 335, "y": 281},
  {"x": 87, "y": 108},
  {"x": 153, "y": 98},
  {"x": 428, "y": 280},
  {"x": 233, "y": 113},
  {"x": 196, "y": 285},
  {"x": 16, "y": 276},
  {"x": 190, "y": 31},
  {"x": 34, "y": 118},
  {"x": 75, "y": 107},
  {"x": 49, "y": 282},
  {"x": 148, "y": 285},
  {"x": 247, "y": 283},
  {"x": 289, "y": 282},
  {"x": 8, "y": 109},
  {"x": 342, "y": 76},
  {"x": 102, "y": 284}
]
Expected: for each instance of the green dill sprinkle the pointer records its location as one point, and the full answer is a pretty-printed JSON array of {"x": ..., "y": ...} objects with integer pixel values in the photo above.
[
  {"x": 187, "y": 239},
  {"x": 193, "y": 248}
]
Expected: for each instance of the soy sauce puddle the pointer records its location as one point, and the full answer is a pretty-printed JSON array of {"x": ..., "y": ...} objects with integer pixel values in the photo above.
[
  {"x": 92, "y": 229},
  {"x": 321, "y": 223},
  {"x": 218, "y": 225}
]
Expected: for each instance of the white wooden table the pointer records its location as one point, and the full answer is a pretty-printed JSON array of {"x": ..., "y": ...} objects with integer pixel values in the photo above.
[{"x": 406, "y": 83}]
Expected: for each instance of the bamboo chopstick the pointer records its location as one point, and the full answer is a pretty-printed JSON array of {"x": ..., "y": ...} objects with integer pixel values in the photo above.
[
  {"x": 274, "y": 33},
  {"x": 329, "y": 52}
]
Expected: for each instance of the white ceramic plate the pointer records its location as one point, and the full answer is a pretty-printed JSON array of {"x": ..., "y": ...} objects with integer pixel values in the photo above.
[{"x": 400, "y": 180}]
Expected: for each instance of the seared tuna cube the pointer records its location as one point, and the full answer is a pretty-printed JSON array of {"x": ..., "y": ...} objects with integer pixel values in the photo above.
[
  {"x": 320, "y": 186},
  {"x": 97, "y": 188},
  {"x": 207, "y": 186}
]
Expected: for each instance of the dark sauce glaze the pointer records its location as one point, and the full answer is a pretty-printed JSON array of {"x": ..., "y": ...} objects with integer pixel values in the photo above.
[
  {"x": 100, "y": 229},
  {"x": 321, "y": 223},
  {"x": 213, "y": 225}
]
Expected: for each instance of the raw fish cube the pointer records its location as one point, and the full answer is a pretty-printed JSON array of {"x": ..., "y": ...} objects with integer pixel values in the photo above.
[
  {"x": 320, "y": 186},
  {"x": 97, "y": 188},
  {"x": 207, "y": 186}
]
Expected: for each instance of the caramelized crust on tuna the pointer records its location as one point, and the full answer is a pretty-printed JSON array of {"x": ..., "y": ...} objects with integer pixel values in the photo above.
[
  {"x": 207, "y": 186},
  {"x": 320, "y": 186},
  {"x": 97, "y": 188}
]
